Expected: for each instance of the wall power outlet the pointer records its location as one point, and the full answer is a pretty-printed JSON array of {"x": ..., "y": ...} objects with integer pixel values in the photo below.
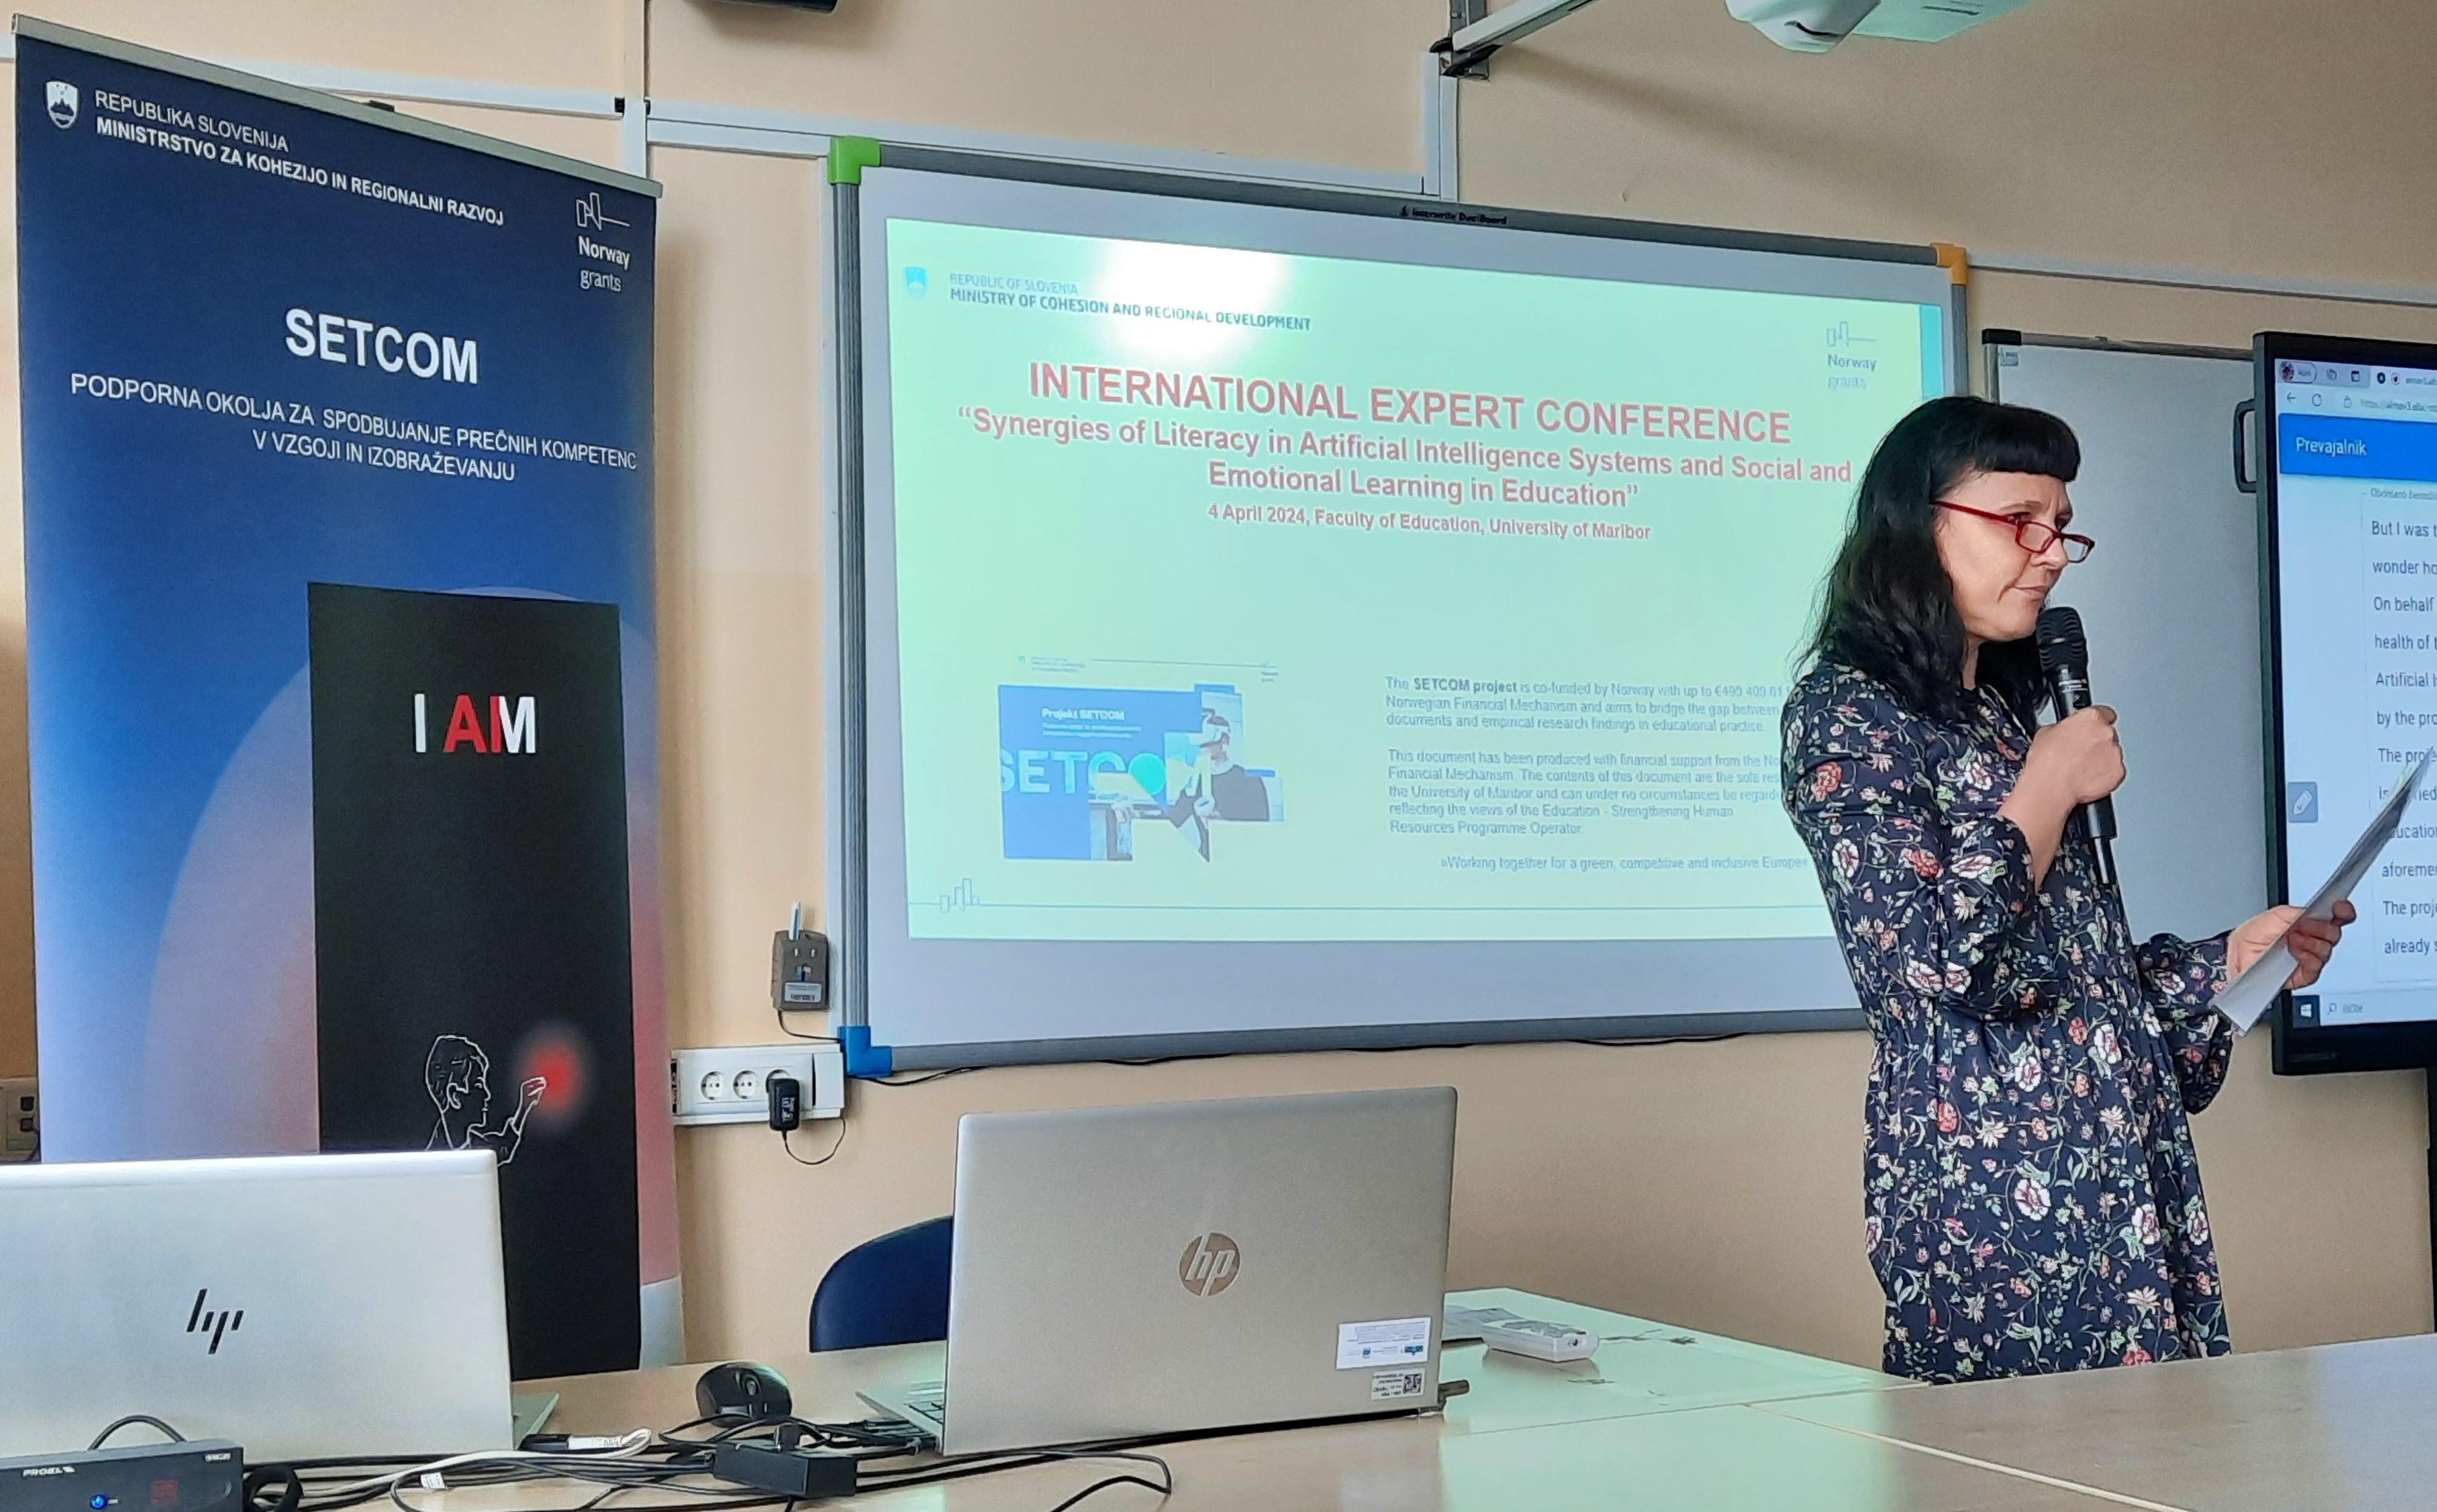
[
  {"x": 799, "y": 969},
  {"x": 21, "y": 1119},
  {"x": 728, "y": 1084}
]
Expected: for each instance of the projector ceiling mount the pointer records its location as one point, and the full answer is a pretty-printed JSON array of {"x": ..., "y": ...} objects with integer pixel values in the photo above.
[{"x": 1475, "y": 32}]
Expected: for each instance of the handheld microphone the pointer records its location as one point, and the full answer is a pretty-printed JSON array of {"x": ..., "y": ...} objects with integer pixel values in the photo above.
[{"x": 2065, "y": 656}]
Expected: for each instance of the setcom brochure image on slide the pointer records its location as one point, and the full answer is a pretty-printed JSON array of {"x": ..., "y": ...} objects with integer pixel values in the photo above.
[
  {"x": 1508, "y": 604},
  {"x": 1078, "y": 766}
]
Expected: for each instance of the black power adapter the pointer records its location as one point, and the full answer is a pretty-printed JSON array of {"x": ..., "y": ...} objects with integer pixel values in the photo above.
[
  {"x": 786, "y": 1101},
  {"x": 799, "y": 1475}
]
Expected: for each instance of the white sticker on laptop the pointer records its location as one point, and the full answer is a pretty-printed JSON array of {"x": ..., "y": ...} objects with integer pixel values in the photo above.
[
  {"x": 1386, "y": 1385},
  {"x": 1388, "y": 1342}
]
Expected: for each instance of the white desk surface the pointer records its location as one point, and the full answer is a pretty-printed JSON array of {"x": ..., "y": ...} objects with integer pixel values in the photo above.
[
  {"x": 1660, "y": 1419},
  {"x": 1642, "y": 1367},
  {"x": 2335, "y": 1427}
]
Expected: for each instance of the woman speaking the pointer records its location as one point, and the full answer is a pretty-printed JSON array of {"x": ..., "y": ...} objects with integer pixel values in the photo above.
[{"x": 2033, "y": 1199}]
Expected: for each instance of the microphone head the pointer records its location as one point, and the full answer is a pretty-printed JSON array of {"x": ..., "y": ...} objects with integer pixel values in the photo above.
[{"x": 2060, "y": 642}]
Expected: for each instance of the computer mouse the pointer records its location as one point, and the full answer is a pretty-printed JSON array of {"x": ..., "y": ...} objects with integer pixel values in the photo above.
[{"x": 742, "y": 1388}]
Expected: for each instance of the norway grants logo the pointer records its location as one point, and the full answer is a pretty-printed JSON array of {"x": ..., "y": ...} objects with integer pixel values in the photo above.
[
  {"x": 62, "y": 98},
  {"x": 508, "y": 730},
  {"x": 590, "y": 216},
  {"x": 1209, "y": 1264}
]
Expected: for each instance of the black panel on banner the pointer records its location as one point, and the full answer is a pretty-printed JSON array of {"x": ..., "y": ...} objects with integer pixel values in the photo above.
[{"x": 472, "y": 933}]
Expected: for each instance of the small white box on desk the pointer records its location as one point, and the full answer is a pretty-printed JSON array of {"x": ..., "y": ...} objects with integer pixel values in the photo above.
[{"x": 1555, "y": 1343}]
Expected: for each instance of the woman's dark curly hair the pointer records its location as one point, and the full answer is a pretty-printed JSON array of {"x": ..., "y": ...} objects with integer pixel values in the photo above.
[{"x": 1888, "y": 609}]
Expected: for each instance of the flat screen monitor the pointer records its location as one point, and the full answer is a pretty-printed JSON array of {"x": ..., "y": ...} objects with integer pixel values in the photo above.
[{"x": 2348, "y": 484}]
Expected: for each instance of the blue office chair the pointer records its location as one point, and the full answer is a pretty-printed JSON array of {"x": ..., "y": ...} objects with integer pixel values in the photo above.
[{"x": 889, "y": 1290}]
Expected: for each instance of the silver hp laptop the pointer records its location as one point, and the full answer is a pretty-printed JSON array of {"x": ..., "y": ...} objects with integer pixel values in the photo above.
[
  {"x": 1126, "y": 1271},
  {"x": 299, "y": 1304}
]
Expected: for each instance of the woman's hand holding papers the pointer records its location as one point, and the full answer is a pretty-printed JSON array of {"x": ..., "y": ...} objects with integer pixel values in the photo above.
[{"x": 2310, "y": 940}]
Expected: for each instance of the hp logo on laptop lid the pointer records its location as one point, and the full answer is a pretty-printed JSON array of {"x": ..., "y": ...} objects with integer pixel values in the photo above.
[
  {"x": 1210, "y": 1265},
  {"x": 213, "y": 1325}
]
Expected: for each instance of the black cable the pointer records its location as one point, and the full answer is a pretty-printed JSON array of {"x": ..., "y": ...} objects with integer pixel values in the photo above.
[
  {"x": 622, "y": 1470},
  {"x": 146, "y": 1418},
  {"x": 893, "y": 1439},
  {"x": 260, "y": 1477},
  {"x": 872, "y": 1439},
  {"x": 669, "y": 1435},
  {"x": 839, "y": 1143},
  {"x": 1166, "y": 1490},
  {"x": 959, "y": 1468},
  {"x": 794, "y": 1034},
  {"x": 616, "y": 1473},
  {"x": 870, "y": 1433},
  {"x": 730, "y": 1504},
  {"x": 916, "y": 1081},
  {"x": 666, "y": 1465}
]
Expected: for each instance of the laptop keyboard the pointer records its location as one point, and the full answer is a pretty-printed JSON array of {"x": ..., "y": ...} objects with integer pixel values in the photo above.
[{"x": 928, "y": 1402}]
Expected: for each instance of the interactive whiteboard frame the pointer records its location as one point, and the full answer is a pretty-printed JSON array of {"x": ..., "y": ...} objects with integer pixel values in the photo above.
[{"x": 1694, "y": 256}]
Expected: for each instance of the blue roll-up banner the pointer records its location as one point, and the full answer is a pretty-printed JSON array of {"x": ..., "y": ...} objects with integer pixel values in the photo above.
[{"x": 338, "y": 463}]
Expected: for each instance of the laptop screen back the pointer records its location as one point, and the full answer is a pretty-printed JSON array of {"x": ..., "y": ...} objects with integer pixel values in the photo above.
[
  {"x": 300, "y": 1306},
  {"x": 1161, "y": 1268}
]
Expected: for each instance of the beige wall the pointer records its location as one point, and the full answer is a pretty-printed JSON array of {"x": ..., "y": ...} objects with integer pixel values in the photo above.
[
  {"x": 1714, "y": 1183},
  {"x": 1212, "y": 77},
  {"x": 2241, "y": 134},
  {"x": 536, "y": 43}
]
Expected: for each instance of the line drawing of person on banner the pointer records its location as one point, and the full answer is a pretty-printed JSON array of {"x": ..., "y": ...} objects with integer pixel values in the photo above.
[{"x": 457, "y": 1074}]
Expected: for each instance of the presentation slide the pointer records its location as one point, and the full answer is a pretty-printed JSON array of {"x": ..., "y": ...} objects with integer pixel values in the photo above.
[
  {"x": 1293, "y": 614},
  {"x": 1287, "y": 583},
  {"x": 2357, "y": 595}
]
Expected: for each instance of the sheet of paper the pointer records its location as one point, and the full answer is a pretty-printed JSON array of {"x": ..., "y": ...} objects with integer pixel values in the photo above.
[{"x": 2247, "y": 997}]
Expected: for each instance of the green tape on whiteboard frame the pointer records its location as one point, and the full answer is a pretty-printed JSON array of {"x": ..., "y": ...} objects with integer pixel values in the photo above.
[{"x": 849, "y": 156}]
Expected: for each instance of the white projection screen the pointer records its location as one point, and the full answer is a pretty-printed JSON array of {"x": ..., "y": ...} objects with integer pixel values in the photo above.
[{"x": 1277, "y": 620}]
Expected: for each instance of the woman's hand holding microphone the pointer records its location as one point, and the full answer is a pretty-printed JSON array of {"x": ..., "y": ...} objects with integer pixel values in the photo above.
[{"x": 2074, "y": 762}]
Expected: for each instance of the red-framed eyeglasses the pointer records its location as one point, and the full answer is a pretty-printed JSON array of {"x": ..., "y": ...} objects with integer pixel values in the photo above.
[{"x": 2032, "y": 535}]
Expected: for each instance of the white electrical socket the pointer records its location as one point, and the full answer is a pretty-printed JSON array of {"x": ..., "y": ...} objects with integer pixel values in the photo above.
[
  {"x": 728, "y": 1084},
  {"x": 21, "y": 1119}
]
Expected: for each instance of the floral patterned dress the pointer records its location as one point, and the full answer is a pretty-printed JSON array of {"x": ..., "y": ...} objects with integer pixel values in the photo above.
[{"x": 2032, "y": 1200}]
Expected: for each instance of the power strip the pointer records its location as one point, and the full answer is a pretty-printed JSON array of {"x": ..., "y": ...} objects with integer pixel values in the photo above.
[{"x": 729, "y": 1084}]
